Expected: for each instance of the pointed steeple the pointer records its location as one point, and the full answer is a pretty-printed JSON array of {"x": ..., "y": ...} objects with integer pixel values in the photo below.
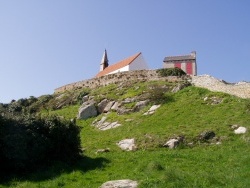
[{"x": 104, "y": 63}]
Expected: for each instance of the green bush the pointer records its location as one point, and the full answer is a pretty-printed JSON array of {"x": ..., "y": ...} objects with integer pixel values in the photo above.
[
  {"x": 28, "y": 142},
  {"x": 159, "y": 94},
  {"x": 171, "y": 72}
]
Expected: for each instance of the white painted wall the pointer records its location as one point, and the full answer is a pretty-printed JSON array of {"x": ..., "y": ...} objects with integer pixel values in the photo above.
[
  {"x": 123, "y": 69},
  {"x": 168, "y": 65},
  {"x": 138, "y": 64}
]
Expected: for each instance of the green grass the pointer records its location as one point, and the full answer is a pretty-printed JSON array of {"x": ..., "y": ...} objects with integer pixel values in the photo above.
[{"x": 202, "y": 165}]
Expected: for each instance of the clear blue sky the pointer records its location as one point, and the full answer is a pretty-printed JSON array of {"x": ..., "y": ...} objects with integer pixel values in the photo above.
[{"x": 45, "y": 44}]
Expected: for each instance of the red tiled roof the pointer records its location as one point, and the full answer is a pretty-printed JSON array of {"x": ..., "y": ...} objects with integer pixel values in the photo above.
[{"x": 118, "y": 65}]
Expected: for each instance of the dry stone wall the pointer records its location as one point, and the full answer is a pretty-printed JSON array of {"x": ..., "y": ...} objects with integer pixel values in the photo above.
[
  {"x": 241, "y": 89},
  {"x": 140, "y": 75}
]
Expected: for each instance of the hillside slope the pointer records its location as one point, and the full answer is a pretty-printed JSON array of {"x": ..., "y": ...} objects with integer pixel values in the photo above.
[{"x": 223, "y": 161}]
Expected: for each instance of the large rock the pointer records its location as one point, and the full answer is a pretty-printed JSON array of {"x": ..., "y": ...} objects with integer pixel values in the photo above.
[
  {"x": 115, "y": 106},
  {"x": 120, "y": 184},
  {"x": 109, "y": 106},
  {"x": 87, "y": 110},
  {"x": 127, "y": 144},
  {"x": 240, "y": 130},
  {"x": 101, "y": 106}
]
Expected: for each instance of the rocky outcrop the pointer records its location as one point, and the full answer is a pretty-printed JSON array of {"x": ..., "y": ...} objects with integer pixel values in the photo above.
[
  {"x": 108, "y": 106},
  {"x": 103, "y": 125},
  {"x": 140, "y": 105},
  {"x": 101, "y": 106},
  {"x": 241, "y": 89},
  {"x": 180, "y": 86},
  {"x": 120, "y": 184},
  {"x": 87, "y": 110}
]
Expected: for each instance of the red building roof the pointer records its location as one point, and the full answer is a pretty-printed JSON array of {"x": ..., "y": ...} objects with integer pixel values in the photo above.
[{"x": 118, "y": 65}]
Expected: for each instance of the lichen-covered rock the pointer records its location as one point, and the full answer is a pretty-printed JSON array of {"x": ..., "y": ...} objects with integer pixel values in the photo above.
[
  {"x": 127, "y": 144},
  {"x": 87, "y": 110}
]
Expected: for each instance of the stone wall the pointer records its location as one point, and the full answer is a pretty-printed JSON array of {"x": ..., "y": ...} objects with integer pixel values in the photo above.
[
  {"x": 140, "y": 75},
  {"x": 241, "y": 89}
]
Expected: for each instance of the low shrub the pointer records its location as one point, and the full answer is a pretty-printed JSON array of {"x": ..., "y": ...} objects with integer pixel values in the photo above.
[
  {"x": 28, "y": 142},
  {"x": 171, "y": 72}
]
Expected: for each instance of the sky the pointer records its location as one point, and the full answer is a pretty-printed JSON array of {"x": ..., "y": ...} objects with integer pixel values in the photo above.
[{"x": 46, "y": 44}]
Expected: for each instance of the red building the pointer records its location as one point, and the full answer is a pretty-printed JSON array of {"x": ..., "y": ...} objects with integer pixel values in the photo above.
[{"x": 185, "y": 62}]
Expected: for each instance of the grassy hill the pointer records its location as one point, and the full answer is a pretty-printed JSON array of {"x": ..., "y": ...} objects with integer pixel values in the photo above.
[{"x": 221, "y": 162}]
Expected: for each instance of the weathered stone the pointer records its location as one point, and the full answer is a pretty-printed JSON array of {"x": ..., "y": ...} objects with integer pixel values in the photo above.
[
  {"x": 240, "y": 130},
  {"x": 127, "y": 144},
  {"x": 86, "y": 111},
  {"x": 109, "y": 106},
  {"x": 152, "y": 109},
  {"x": 241, "y": 89},
  {"x": 140, "y": 105},
  {"x": 207, "y": 135},
  {"x": 115, "y": 106},
  {"x": 85, "y": 98},
  {"x": 101, "y": 106},
  {"x": 99, "y": 123},
  {"x": 172, "y": 143},
  {"x": 107, "y": 125},
  {"x": 121, "y": 111},
  {"x": 102, "y": 125},
  {"x": 120, "y": 184},
  {"x": 180, "y": 87},
  {"x": 129, "y": 100}
]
